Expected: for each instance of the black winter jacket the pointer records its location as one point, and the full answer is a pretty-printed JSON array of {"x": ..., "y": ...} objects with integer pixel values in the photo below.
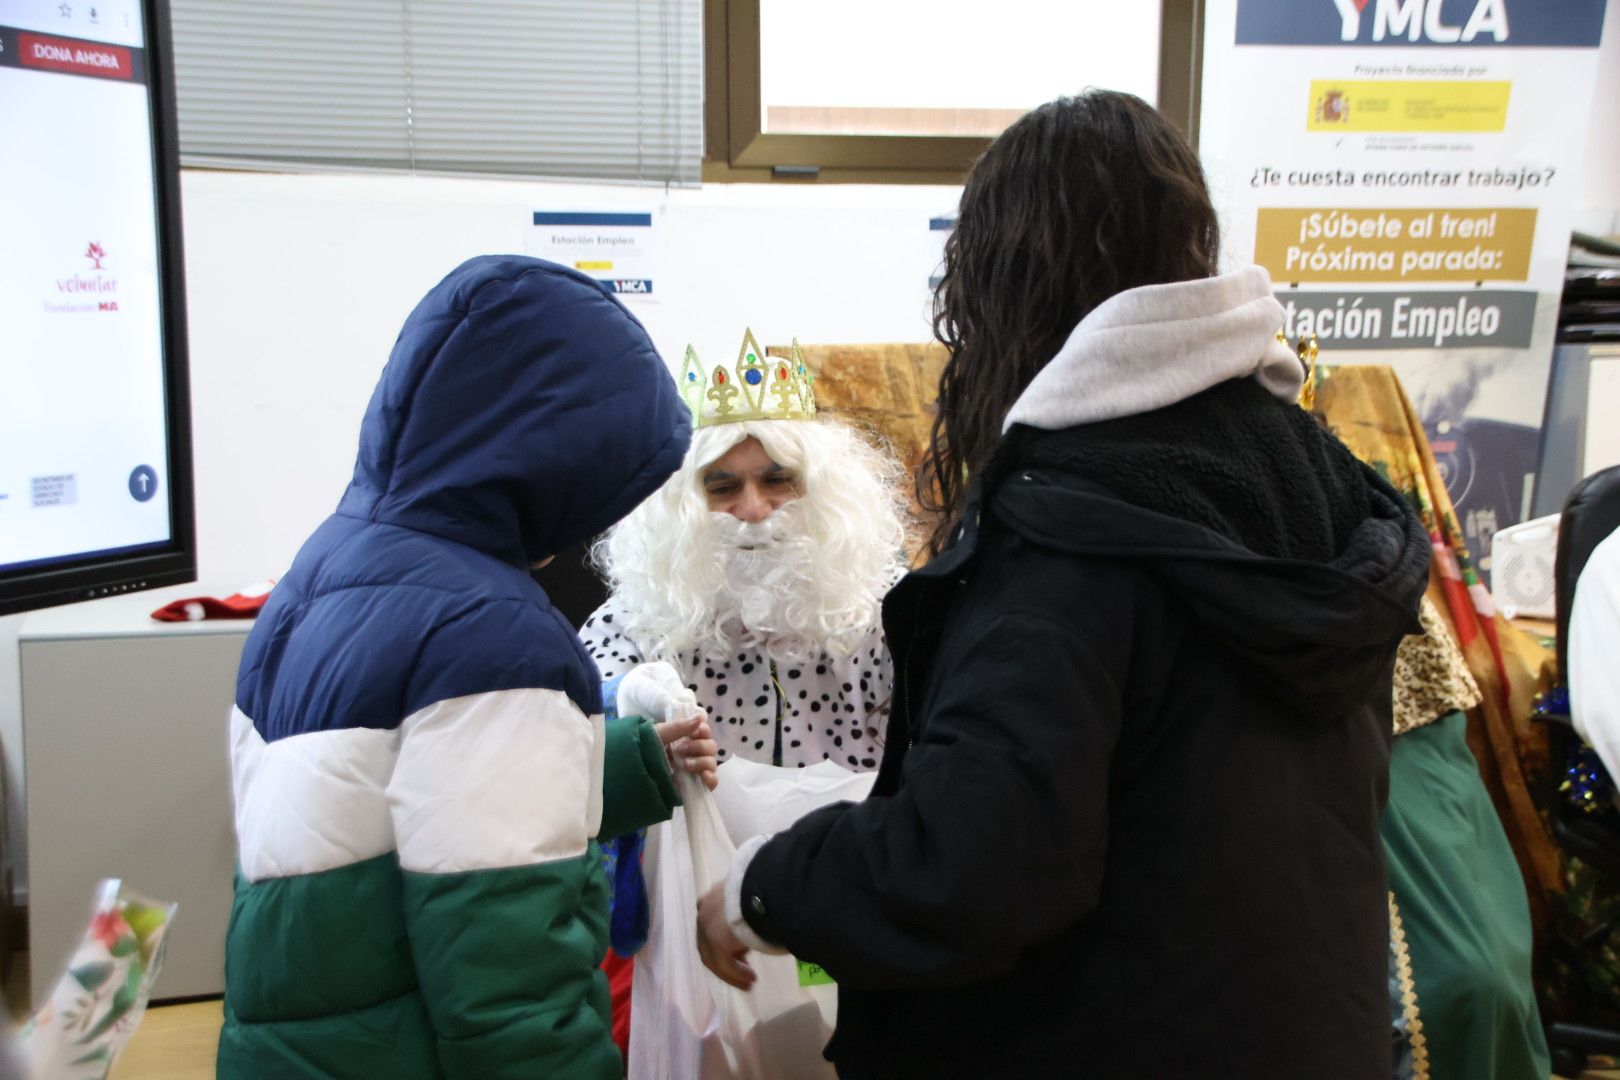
[{"x": 1126, "y": 824}]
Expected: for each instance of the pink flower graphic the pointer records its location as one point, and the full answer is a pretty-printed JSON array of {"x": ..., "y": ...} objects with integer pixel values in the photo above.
[
  {"x": 108, "y": 926},
  {"x": 95, "y": 253}
]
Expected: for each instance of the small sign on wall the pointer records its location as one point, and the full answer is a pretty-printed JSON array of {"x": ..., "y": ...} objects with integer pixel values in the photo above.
[
  {"x": 939, "y": 230},
  {"x": 616, "y": 247}
]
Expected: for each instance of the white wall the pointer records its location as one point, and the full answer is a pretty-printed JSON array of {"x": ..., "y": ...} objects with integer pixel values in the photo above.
[
  {"x": 297, "y": 285},
  {"x": 1599, "y": 209}
]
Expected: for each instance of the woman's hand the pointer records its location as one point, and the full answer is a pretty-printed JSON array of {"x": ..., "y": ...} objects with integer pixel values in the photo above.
[{"x": 720, "y": 949}]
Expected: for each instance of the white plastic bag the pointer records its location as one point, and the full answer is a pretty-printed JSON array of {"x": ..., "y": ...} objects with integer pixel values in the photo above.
[{"x": 685, "y": 1024}]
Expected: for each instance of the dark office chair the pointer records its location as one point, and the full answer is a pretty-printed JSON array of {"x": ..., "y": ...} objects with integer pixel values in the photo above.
[{"x": 1590, "y": 515}]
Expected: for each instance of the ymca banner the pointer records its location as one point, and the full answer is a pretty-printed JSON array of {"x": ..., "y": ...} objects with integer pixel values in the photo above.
[{"x": 1407, "y": 171}]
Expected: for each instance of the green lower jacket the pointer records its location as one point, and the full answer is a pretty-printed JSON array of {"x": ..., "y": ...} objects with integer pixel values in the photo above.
[{"x": 371, "y": 970}]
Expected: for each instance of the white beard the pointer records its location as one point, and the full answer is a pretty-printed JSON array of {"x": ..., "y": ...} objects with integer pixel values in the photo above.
[
  {"x": 764, "y": 597},
  {"x": 808, "y": 580}
]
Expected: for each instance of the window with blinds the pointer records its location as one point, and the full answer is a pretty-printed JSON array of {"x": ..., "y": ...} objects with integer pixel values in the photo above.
[{"x": 604, "y": 89}]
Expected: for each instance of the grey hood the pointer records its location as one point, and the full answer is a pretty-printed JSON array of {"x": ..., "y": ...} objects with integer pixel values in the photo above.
[{"x": 1146, "y": 348}]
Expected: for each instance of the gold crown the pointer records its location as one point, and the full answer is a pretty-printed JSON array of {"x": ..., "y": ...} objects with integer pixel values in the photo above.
[{"x": 760, "y": 387}]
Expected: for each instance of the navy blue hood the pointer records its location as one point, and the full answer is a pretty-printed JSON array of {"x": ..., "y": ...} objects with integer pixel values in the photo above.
[{"x": 522, "y": 411}]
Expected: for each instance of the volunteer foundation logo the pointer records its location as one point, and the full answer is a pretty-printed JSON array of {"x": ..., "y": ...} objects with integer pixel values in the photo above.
[
  {"x": 85, "y": 291},
  {"x": 1333, "y": 108}
]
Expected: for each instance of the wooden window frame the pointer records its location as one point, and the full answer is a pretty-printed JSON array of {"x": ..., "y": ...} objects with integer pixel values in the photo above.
[{"x": 736, "y": 150}]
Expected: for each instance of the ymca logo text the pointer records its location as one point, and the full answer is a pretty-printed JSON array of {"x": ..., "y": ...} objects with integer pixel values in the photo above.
[{"x": 1422, "y": 21}]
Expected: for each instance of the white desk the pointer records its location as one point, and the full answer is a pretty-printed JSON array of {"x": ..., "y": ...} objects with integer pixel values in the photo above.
[{"x": 127, "y": 775}]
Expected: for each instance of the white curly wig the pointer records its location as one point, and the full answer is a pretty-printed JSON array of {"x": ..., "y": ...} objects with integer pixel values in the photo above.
[{"x": 810, "y": 578}]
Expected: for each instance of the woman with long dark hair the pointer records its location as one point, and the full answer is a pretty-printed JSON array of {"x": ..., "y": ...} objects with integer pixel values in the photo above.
[{"x": 1126, "y": 823}]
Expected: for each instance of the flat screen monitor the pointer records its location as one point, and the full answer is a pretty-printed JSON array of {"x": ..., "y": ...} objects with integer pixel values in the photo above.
[{"x": 95, "y": 444}]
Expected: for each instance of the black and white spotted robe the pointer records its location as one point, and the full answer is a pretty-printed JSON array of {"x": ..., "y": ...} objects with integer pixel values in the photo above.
[{"x": 780, "y": 712}]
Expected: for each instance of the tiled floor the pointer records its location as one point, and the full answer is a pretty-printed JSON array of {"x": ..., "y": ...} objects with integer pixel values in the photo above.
[
  {"x": 177, "y": 1043},
  {"x": 174, "y": 1042}
]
